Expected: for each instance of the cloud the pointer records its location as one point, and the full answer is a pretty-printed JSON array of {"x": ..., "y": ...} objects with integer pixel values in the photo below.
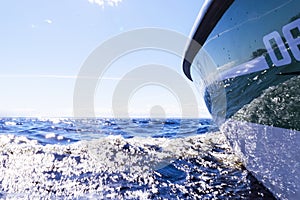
[
  {"x": 101, "y": 3},
  {"x": 48, "y": 21}
]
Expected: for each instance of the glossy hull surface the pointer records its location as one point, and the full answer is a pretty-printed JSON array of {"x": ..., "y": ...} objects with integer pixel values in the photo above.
[{"x": 248, "y": 69}]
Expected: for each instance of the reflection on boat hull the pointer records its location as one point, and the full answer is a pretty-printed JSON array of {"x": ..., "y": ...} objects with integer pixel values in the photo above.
[{"x": 272, "y": 158}]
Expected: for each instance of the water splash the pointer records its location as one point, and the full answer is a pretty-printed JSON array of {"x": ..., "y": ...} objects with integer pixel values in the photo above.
[{"x": 196, "y": 166}]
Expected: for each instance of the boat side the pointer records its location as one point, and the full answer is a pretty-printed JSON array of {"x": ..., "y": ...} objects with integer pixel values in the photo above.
[{"x": 248, "y": 69}]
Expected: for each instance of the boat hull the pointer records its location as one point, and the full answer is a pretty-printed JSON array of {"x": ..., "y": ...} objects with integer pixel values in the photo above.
[{"x": 248, "y": 70}]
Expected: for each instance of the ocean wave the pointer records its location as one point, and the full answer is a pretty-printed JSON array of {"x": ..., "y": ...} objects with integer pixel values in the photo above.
[{"x": 113, "y": 167}]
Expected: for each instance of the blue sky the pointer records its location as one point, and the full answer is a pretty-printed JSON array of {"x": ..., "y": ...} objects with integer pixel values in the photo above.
[{"x": 44, "y": 44}]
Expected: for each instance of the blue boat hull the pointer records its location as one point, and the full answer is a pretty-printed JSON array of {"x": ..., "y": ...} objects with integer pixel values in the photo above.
[{"x": 246, "y": 63}]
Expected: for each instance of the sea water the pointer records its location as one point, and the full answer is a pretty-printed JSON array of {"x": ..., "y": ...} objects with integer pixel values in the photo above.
[{"x": 69, "y": 158}]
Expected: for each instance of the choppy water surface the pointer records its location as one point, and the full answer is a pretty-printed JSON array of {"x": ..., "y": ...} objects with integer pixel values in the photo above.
[{"x": 115, "y": 159}]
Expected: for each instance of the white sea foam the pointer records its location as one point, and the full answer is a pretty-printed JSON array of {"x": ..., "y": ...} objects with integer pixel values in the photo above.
[{"x": 98, "y": 168}]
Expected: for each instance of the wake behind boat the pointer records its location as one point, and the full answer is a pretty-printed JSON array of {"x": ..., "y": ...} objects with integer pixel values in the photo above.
[{"x": 244, "y": 57}]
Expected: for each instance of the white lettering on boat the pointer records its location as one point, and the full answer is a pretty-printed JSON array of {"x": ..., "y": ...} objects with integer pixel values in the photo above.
[{"x": 273, "y": 40}]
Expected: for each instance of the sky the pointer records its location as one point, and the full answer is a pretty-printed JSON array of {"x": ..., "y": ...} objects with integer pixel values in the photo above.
[{"x": 45, "y": 43}]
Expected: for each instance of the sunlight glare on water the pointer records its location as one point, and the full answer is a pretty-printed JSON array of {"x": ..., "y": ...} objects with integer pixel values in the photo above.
[{"x": 95, "y": 159}]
